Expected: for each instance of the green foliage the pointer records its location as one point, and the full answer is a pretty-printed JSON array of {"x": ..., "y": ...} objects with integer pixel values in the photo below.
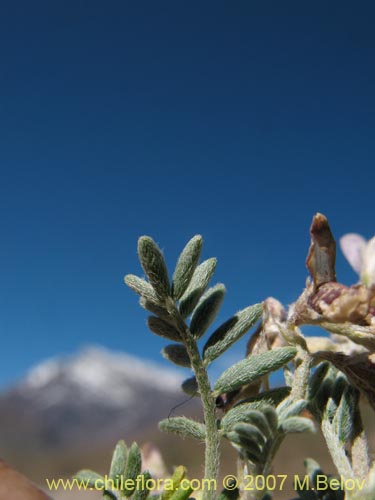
[
  {"x": 171, "y": 306},
  {"x": 188, "y": 296},
  {"x": 125, "y": 465},
  {"x": 313, "y": 491},
  {"x": 258, "y": 420},
  {"x": 334, "y": 402},
  {"x": 119, "y": 459},
  {"x": 133, "y": 467},
  {"x": 297, "y": 424},
  {"x": 183, "y": 427},
  {"x": 250, "y": 369},
  {"x": 177, "y": 354},
  {"x": 245, "y": 413},
  {"x": 271, "y": 397},
  {"x": 152, "y": 307},
  {"x": 229, "y": 494},
  {"x": 206, "y": 310},
  {"x": 154, "y": 266},
  {"x": 190, "y": 386},
  {"x": 199, "y": 282},
  {"x": 291, "y": 407},
  {"x": 255, "y": 432},
  {"x": 248, "y": 412},
  {"x": 186, "y": 266},
  {"x": 143, "y": 492},
  {"x": 142, "y": 288},
  {"x": 178, "y": 475},
  {"x": 182, "y": 493},
  {"x": 89, "y": 477},
  {"x": 164, "y": 329},
  {"x": 256, "y": 428},
  {"x": 231, "y": 331}
]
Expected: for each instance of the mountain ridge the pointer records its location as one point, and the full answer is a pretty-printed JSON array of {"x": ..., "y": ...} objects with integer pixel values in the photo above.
[{"x": 82, "y": 402}]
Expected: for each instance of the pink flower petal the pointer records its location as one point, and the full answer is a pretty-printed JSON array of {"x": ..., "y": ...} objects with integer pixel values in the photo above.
[
  {"x": 353, "y": 246},
  {"x": 368, "y": 268}
]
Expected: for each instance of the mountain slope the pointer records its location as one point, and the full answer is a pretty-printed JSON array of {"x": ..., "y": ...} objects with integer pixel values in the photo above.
[{"x": 75, "y": 405}]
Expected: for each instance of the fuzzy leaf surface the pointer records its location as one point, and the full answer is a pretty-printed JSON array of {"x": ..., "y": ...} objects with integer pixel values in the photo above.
[
  {"x": 162, "y": 328},
  {"x": 229, "y": 494},
  {"x": 119, "y": 458},
  {"x": 177, "y": 354},
  {"x": 178, "y": 475},
  {"x": 133, "y": 467},
  {"x": 230, "y": 331},
  {"x": 155, "y": 309},
  {"x": 251, "y": 432},
  {"x": 154, "y": 266},
  {"x": 182, "y": 493},
  {"x": 246, "y": 413},
  {"x": 250, "y": 369},
  {"x": 297, "y": 424},
  {"x": 183, "y": 427},
  {"x": 186, "y": 265},
  {"x": 198, "y": 284},
  {"x": 344, "y": 419},
  {"x": 206, "y": 310},
  {"x": 141, "y": 287},
  {"x": 142, "y": 493},
  {"x": 253, "y": 451},
  {"x": 190, "y": 386},
  {"x": 290, "y": 408},
  {"x": 89, "y": 477}
]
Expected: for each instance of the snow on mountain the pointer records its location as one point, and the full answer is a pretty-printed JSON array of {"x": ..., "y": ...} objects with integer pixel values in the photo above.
[
  {"x": 93, "y": 396},
  {"x": 112, "y": 378}
]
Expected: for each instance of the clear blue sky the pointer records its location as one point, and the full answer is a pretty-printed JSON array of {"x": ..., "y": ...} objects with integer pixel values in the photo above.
[{"x": 236, "y": 120}]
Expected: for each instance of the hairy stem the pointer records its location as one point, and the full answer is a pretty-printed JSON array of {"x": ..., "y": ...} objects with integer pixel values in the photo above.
[
  {"x": 272, "y": 453},
  {"x": 301, "y": 375},
  {"x": 209, "y": 409},
  {"x": 360, "y": 455},
  {"x": 212, "y": 456},
  {"x": 299, "y": 388},
  {"x": 336, "y": 450}
]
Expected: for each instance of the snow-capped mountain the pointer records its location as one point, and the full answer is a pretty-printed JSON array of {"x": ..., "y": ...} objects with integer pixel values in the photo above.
[
  {"x": 112, "y": 379},
  {"x": 85, "y": 401}
]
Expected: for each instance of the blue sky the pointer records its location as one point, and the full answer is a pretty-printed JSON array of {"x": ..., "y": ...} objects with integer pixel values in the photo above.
[{"x": 236, "y": 120}]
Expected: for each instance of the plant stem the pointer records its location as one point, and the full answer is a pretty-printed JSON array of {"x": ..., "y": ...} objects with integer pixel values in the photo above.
[
  {"x": 360, "y": 455},
  {"x": 301, "y": 375},
  {"x": 336, "y": 450},
  {"x": 274, "y": 449},
  {"x": 212, "y": 456},
  {"x": 299, "y": 388}
]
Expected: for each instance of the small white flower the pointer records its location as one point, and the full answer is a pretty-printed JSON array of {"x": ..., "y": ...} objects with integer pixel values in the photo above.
[{"x": 361, "y": 256}]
